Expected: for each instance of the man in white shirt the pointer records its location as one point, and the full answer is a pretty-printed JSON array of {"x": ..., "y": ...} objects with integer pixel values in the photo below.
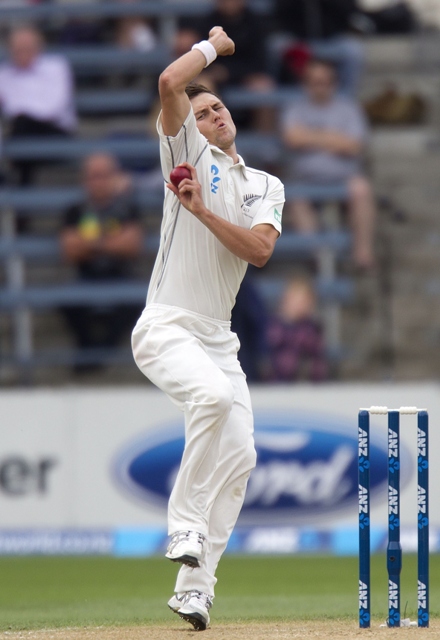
[
  {"x": 215, "y": 223},
  {"x": 36, "y": 92}
]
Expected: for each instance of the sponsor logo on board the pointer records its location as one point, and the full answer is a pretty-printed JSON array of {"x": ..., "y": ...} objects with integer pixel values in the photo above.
[{"x": 307, "y": 467}]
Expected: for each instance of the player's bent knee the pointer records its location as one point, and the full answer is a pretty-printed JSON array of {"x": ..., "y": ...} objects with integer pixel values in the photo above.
[
  {"x": 246, "y": 455},
  {"x": 220, "y": 396}
]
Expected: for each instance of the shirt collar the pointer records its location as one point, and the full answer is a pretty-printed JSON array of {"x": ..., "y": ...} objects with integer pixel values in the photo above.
[{"x": 240, "y": 163}]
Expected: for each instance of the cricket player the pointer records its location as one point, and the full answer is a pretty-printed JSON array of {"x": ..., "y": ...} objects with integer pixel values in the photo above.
[{"x": 223, "y": 217}]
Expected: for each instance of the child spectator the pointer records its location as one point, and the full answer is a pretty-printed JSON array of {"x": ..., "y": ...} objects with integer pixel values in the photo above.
[{"x": 295, "y": 336}]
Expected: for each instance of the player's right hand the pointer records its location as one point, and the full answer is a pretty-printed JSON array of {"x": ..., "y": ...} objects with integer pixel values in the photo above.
[
  {"x": 189, "y": 191},
  {"x": 221, "y": 41}
]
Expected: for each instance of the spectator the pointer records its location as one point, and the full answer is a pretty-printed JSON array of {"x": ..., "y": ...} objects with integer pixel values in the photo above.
[
  {"x": 323, "y": 26},
  {"x": 328, "y": 134},
  {"x": 249, "y": 322},
  {"x": 247, "y": 67},
  {"x": 295, "y": 336},
  {"x": 135, "y": 33},
  {"x": 101, "y": 238},
  {"x": 36, "y": 93}
]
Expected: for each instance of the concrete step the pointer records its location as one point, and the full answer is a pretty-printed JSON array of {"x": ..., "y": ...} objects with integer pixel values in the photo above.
[
  {"x": 407, "y": 141},
  {"x": 419, "y": 51}
]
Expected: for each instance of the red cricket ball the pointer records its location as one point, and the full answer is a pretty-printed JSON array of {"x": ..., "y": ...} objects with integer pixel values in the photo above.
[{"x": 178, "y": 174}]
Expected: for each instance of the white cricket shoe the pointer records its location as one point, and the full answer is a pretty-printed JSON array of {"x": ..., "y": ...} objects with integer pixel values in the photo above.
[
  {"x": 192, "y": 606},
  {"x": 176, "y": 601},
  {"x": 186, "y": 547}
]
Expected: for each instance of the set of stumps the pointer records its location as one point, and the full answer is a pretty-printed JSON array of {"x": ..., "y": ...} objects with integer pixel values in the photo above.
[{"x": 394, "y": 549}]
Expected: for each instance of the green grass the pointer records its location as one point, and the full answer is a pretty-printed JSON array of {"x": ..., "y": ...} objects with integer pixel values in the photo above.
[{"x": 59, "y": 592}]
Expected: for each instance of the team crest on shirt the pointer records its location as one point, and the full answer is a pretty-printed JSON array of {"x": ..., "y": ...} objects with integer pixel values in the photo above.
[{"x": 248, "y": 200}]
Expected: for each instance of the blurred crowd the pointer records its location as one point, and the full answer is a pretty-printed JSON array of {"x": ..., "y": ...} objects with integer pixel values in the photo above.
[{"x": 314, "y": 47}]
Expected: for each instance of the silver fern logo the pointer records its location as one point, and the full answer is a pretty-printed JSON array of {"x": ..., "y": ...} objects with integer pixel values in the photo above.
[{"x": 248, "y": 200}]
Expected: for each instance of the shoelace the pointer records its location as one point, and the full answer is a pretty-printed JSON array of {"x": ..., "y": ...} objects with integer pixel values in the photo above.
[
  {"x": 204, "y": 599},
  {"x": 180, "y": 536}
]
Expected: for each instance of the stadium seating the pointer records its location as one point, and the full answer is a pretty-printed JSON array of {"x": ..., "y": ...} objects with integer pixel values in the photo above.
[
  {"x": 105, "y": 101},
  {"x": 21, "y": 301}
]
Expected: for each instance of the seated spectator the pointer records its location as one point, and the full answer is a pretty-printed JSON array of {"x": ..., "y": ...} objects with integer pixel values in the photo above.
[
  {"x": 321, "y": 29},
  {"x": 101, "y": 238},
  {"x": 36, "y": 93},
  {"x": 295, "y": 336},
  {"x": 328, "y": 134},
  {"x": 247, "y": 67}
]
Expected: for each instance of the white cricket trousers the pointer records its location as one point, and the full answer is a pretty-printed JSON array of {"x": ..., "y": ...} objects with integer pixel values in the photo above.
[{"x": 193, "y": 359}]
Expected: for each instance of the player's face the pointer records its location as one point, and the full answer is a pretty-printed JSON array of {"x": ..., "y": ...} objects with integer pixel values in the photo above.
[{"x": 214, "y": 121}]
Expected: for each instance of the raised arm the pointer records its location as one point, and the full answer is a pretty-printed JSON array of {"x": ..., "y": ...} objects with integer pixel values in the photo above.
[{"x": 173, "y": 81}]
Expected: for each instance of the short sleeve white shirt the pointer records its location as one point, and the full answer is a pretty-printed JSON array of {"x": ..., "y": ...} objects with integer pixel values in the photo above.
[{"x": 193, "y": 269}]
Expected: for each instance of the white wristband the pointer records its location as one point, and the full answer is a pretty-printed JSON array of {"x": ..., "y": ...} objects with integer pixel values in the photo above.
[{"x": 208, "y": 51}]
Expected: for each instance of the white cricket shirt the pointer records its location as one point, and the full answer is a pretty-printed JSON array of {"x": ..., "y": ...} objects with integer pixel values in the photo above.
[{"x": 193, "y": 270}]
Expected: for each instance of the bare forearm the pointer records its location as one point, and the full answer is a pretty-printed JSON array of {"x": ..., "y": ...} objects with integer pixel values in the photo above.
[
  {"x": 126, "y": 244},
  {"x": 249, "y": 245},
  {"x": 173, "y": 81},
  {"x": 341, "y": 144},
  {"x": 180, "y": 72},
  {"x": 302, "y": 138},
  {"x": 75, "y": 248},
  {"x": 252, "y": 245}
]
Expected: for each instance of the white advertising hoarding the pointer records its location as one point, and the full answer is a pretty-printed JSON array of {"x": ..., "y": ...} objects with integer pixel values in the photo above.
[{"x": 91, "y": 470}]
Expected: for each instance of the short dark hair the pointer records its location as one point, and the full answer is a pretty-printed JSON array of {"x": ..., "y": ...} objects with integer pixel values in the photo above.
[{"x": 194, "y": 89}]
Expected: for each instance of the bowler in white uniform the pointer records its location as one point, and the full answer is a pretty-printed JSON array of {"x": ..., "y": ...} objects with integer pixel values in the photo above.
[{"x": 215, "y": 223}]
